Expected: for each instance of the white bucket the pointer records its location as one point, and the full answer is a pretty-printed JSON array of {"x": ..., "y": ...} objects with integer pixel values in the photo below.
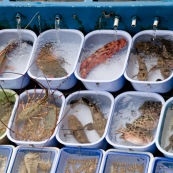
[
  {"x": 126, "y": 110},
  {"x": 15, "y": 76},
  {"x": 69, "y": 43},
  {"x": 59, "y": 100},
  {"x": 164, "y": 132},
  {"x": 161, "y": 164},
  {"x": 113, "y": 159},
  {"x": 3, "y": 137},
  {"x": 41, "y": 156},
  {"x": 83, "y": 113},
  {"x": 151, "y": 85},
  {"x": 107, "y": 76},
  {"x": 81, "y": 157},
  {"x": 6, "y": 153}
]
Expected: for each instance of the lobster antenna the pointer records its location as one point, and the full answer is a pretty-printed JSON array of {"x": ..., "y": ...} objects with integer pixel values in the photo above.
[
  {"x": 5, "y": 94},
  {"x": 31, "y": 20}
]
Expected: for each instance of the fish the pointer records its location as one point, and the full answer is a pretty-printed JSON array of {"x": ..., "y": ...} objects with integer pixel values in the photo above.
[
  {"x": 101, "y": 55},
  {"x": 135, "y": 135}
]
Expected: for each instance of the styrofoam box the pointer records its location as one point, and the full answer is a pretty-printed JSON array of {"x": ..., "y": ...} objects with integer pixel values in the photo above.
[
  {"x": 104, "y": 102},
  {"x": 161, "y": 165},
  {"x": 69, "y": 43},
  {"x": 6, "y": 152},
  {"x": 15, "y": 76},
  {"x": 106, "y": 76},
  {"x": 113, "y": 159},
  {"x": 59, "y": 101},
  {"x": 46, "y": 155},
  {"x": 160, "y": 86},
  {"x": 165, "y": 131},
  {"x": 79, "y": 154},
  {"x": 126, "y": 110},
  {"x": 3, "y": 137}
]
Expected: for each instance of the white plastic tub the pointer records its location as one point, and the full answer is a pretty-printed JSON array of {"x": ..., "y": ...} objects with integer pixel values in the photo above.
[
  {"x": 127, "y": 109},
  {"x": 161, "y": 164},
  {"x": 107, "y": 76},
  {"x": 12, "y": 96},
  {"x": 155, "y": 81},
  {"x": 83, "y": 113},
  {"x": 6, "y": 153},
  {"x": 36, "y": 123},
  {"x": 117, "y": 160},
  {"x": 67, "y": 45},
  {"x": 73, "y": 159},
  {"x": 18, "y": 60},
  {"x": 42, "y": 157},
  {"x": 164, "y": 134}
]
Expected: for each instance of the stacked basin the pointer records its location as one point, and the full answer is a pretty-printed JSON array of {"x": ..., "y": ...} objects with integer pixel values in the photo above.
[
  {"x": 107, "y": 76},
  {"x": 119, "y": 161},
  {"x": 27, "y": 131},
  {"x": 85, "y": 120},
  {"x": 34, "y": 159},
  {"x": 17, "y": 49},
  {"x": 7, "y": 152},
  {"x": 134, "y": 121},
  {"x": 74, "y": 159},
  {"x": 65, "y": 46},
  {"x": 149, "y": 66}
]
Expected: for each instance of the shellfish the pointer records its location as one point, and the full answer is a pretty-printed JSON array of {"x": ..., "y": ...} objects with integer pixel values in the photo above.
[
  {"x": 3, "y": 162},
  {"x": 99, "y": 121},
  {"x": 6, "y": 106},
  {"x": 31, "y": 161},
  {"x": 143, "y": 72},
  {"x": 3, "y": 55},
  {"x": 159, "y": 48},
  {"x": 36, "y": 119},
  {"x": 51, "y": 66},
  {"x": 77, "y": 129}
]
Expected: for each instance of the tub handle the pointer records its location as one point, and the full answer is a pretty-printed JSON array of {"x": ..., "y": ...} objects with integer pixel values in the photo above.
[{"x": 2, "y": 82}]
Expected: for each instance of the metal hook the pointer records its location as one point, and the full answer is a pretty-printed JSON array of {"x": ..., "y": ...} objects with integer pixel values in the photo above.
[{"x": 107, "y": 15}]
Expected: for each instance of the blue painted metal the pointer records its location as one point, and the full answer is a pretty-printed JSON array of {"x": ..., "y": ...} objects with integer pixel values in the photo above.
[{"x": 86, "y": 15}]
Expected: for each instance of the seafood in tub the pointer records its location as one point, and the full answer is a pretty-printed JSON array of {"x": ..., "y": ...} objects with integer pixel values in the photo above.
[
  {"x": 15, "y": 46},
  {"x": 34, "y": 160},
  {"x": 103, "y": 59},
  {"x": 6, "y": 152},
  {"x": 151, "y": 56},
  {"x": 7, "y": 103},
  {"x": 135, "y": 119},
  {"x": 55, "y": 58},
  {"x": 36, "y": 117},
  {"x": 85, "y": 119},
  {"x": 118, "y": 161},
  {"x": 164, "y": 140},
  {"x": 162, "y": 164},
  {"x": 83, "y": 160}
]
